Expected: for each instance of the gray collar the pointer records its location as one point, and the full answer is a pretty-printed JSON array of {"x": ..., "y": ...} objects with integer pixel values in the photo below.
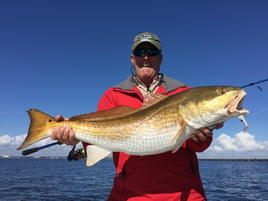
[{"x": 168, "y": 83}]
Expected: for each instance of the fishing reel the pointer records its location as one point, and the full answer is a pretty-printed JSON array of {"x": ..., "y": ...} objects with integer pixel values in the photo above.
[{"x": 76, "y": 154}]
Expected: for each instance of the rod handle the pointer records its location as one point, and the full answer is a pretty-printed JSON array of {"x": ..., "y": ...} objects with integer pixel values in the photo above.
[{"x": 30, "y": 151}]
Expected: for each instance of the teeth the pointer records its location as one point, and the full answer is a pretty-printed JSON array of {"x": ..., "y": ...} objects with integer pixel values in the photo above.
[{"x": 146, "y": 65}]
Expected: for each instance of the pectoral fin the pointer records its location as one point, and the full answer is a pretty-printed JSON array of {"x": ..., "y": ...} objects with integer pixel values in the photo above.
[
  {"x": 176, "y": 149},
  {"x": 95, "y": 154},
  {"x": 182, "y": 125}
]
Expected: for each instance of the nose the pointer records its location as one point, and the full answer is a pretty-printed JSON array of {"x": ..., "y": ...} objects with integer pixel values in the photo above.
[{"x": 146, "y": 56}]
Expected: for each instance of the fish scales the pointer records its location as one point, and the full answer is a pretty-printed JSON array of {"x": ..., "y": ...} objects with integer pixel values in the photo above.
[
  {"x": 162, "y": 124},
  {"x": 138, "y": 135}
]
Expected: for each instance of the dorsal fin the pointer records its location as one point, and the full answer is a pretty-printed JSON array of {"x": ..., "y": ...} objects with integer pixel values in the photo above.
[
  {"x": 119, "y": 111},
  {"x": 152, "y": 99},
  {"x": 105, "y": 114}
]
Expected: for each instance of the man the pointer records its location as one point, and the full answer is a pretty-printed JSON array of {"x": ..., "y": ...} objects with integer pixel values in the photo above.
[{"x": 165, "y": 176}]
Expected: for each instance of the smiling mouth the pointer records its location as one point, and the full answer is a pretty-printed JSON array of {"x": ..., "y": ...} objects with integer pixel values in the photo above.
[{"x": 146, "y": 65}]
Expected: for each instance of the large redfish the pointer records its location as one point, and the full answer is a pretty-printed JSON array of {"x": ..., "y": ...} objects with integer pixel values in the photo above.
[{"x": 162, "y": 124}]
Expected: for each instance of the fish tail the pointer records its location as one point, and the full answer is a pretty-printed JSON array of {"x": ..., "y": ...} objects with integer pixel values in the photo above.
[{"x": 38, "y": 129}]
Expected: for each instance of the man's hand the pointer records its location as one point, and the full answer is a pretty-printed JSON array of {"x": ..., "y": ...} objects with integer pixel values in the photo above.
[
  {"x": 64, "y": 134},
  {"x": 204, "y": 133}
]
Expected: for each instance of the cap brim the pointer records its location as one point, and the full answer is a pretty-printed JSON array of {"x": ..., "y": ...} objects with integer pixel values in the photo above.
[{"x": 154, "y": 43}]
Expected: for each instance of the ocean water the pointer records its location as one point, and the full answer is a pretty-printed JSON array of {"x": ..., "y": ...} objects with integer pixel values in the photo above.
[
  {"x": 235, "y": 180},
  {"x": 54, "y": 180},
  {"x": 59, "y": 179}
]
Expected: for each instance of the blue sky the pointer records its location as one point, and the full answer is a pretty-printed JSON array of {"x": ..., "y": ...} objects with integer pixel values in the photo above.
[{"x": 60, "y": 56}]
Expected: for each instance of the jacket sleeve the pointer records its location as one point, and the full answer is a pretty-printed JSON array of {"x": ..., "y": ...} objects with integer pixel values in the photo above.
[
  {"x": 198, "y": 146},
  {"x": 107, "y": 101}
]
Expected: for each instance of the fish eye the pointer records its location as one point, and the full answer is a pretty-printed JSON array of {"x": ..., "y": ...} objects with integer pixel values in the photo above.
[{"x": 221, "y": 91}]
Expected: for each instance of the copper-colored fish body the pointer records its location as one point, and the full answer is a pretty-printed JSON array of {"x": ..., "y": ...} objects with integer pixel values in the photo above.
[{"x": 162, "y": 124}]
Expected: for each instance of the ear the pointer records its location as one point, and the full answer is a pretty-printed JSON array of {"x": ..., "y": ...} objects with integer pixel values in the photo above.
[
  {"x": 161, "y": 58},
  {"x": 132, "y": 59}
]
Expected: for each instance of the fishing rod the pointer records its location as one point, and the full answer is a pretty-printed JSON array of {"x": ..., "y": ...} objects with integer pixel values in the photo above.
[
  {"x": 80, "y": 153},
  {"x": 36, "y": 149},
  {"x": 73, "y": 154},
  {"x": 254, "y": 83}
]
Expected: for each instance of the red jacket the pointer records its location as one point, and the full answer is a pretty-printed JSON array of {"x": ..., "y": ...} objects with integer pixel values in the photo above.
[{"x": 160, "y": 177}]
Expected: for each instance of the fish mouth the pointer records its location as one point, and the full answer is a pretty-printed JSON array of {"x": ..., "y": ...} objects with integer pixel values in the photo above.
[{"x": 235, "y": 107}]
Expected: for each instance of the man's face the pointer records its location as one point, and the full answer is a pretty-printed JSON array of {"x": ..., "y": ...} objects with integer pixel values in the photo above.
[{"x": 146, "y": 62}]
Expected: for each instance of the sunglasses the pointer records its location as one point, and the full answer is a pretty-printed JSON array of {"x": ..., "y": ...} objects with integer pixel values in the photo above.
[{"x": 150, "y": 52}]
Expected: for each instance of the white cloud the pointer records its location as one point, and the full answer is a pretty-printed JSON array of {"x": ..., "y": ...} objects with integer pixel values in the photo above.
[
  {"x": 242, "y": 145},
  {"x": 9, "y": 145},
  {"x": 240, "y": 142},
  {"x": 9, "y": 140}
]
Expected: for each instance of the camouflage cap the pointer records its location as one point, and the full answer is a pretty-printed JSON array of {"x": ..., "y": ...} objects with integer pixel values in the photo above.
[{"x": 146, "y": 37}]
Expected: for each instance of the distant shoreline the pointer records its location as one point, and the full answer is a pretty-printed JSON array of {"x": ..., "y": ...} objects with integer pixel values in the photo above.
[
  {"x": 200, "y": 159},
  {"x": 233, "y": 159}
]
